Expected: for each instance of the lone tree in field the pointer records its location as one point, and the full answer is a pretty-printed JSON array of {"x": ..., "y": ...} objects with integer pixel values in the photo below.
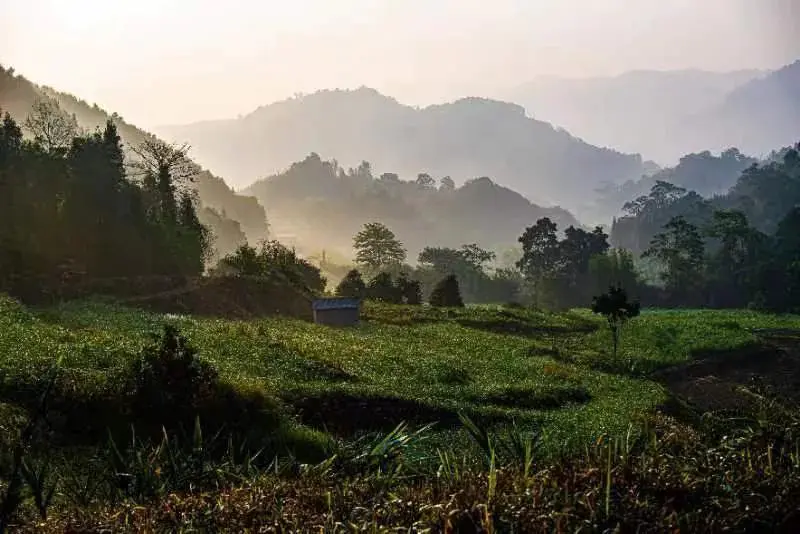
[
  {"x": 447, "y": 294},
  {"x": 377, "y": 247},
  {"x": 352, "y": 285},
  {"x": 617, "y": 309}
]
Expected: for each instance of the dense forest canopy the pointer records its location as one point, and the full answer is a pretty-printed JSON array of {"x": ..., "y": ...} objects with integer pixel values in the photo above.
[
  {"x": 232, "y": 218},
  {"x": 72, "y": 209}
]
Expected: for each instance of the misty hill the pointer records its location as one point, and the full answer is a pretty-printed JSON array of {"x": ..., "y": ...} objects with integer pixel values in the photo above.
[
  {"x": 231, "y": 217},
  {"x": 704, "y": 173},
  {"x": 318, "y": 204},
  {"x": 467, "y": 138},
  {"x": 757, "y": 116},
  {"x": 639, "y": 111}
]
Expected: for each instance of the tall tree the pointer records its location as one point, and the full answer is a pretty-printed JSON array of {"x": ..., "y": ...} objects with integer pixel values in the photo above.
[
  {"x": 540, "y": 253},
  {"x": 51, "y": 127},
  {"x": 680, "y": 250},
  {"x": 377, "y": 247}
]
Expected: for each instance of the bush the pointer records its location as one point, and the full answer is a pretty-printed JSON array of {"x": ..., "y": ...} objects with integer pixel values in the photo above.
[
  {"x": 169, "y": 378},
  {"x": 352, "y": 285},
  {"x": 447, "y": 293},
  {"x": 272, "y": 257},
  {"x": 409, "y": 290},
  {"x": 382, "y": 288}
]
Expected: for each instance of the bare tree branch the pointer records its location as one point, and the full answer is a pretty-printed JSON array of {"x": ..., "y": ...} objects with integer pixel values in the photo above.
[
  {"x": 154, "y": 156},
  {"x": 50, "y": 126}
]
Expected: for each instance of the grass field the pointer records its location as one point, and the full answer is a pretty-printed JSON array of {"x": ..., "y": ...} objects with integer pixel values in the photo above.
[
  {"x": 322, "y": 403},
  {"x": 551, "y": 373}
]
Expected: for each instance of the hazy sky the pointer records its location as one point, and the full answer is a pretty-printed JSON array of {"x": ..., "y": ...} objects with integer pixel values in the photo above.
[{"x": 170, "y": 61}]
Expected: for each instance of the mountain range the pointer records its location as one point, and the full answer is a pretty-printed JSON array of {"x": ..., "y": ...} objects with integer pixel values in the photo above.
[
  {"x": 465, "y": 139},
  {"x": 665, "y": 115}
]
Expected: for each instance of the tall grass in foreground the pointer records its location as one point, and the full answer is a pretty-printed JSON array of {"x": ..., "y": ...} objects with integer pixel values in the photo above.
[{"x": 738, "y": 474}]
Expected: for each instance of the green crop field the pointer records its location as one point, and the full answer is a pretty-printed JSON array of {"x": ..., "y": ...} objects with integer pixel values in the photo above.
[
  {"x": 501, "y": 403},
  {"x": 545, "y": 372}
]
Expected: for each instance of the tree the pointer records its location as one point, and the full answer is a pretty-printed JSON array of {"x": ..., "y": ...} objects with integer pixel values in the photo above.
[
  {"x": 424, "y": 180},
  {"x": 617, "y": 309},
  {"x": 733, "y": 267},
  {"x": 377, "y": 247},
  {"x": 382, "y": 288},
  {"x": 447, "y": 184},
  {"x": 540, "y": 253},
  {"x": 680, "y": 250},
  {"x": 410, "y": 290},
  {"x": 352, "y": 285},
  {"x": 51, "y": 127},
  {"x": 447, "y": 294},
  {"x": 614, "y": 268}
]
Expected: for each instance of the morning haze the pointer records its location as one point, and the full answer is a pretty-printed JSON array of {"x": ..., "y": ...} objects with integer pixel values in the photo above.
[
  {"x": 181, "y": 61},
  {"x": 400, "y": 265}
]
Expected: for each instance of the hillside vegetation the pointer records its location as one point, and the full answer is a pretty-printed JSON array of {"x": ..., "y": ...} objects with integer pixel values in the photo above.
[{"x": 232, "y": 217}]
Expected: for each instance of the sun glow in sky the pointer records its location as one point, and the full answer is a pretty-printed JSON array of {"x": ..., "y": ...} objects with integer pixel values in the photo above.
[{"x": 168, "y": 61}]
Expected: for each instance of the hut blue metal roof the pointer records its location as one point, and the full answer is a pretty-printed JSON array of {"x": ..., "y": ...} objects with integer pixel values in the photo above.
[{"x": 342, "y": 303}]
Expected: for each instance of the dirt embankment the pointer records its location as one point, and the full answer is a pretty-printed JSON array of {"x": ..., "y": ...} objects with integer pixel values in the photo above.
[
  {"x": 232, "y": 297},
  {"x": 714, "y": 382}
]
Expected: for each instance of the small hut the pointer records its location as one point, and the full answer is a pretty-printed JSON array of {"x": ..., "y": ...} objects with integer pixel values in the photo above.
[{"x": 339, "y": 311}]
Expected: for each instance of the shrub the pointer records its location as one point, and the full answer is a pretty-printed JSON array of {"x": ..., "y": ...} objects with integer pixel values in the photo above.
[
  {"x": 352, "y": 285},
  {"x": 382, "y": 288},
  {"x": 169, "y": 378},
  {"x": 617, "y": 309},
  {"x": 273, "y": 257},
  {"x": 447, "y": 293},
  {"x": 409, "y": 290}
]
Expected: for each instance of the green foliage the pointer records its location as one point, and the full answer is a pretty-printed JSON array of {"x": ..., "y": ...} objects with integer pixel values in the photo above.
[
  {"x": 559, "y": 272},
  {"x": 377, "y": 247},
  {"x": 352, "y": 285},
  {"x": 680, "y": 250},
  {"x": 169, "y": 378},
  {"x": 617, "y": 310},
  {"x": 382, "y": 288},
  {"x": 446, "y": 294},
  {"x": 71, "y": 209},
  {"x": 270, "y": 259}
]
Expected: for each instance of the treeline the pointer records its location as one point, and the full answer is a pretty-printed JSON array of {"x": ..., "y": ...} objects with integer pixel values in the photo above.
[
  {"x": 320, "y": 204},
  {"x": 67, "y": 205}
]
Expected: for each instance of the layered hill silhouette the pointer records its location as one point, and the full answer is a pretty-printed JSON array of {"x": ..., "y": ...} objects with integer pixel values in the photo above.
[
  {"x": 664, "y": 115},
  {"x": 317, "y": 205},
  {"x": 755, "y": 117},
  {"x": 232, "y": 217},
  {"x": 465, "y": 139}
]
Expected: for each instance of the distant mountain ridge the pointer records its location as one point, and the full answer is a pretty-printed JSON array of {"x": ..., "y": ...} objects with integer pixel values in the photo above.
[
  {"x": 463, "y": 139},
  {"x": 756, "y": 116},
  {"x": 665, "y": 115}
]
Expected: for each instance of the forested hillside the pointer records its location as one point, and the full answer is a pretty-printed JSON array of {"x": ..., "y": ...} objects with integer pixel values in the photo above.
[
  {"x": 464, "y": 139},
  {"x": 317, "y": 203},
  {"x": 231, "y": 217},
  {"x": 704, "y": 173}
]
